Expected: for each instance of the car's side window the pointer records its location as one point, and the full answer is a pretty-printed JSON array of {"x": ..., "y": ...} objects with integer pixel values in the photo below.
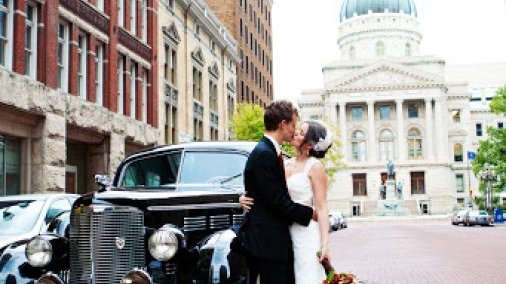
[
  {"x": 152, "y": 171},
  {"x": 56, "y": 208}
]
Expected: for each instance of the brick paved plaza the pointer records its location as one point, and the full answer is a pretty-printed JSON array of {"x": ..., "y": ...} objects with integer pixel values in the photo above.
[{"x": 410, "y": 252}]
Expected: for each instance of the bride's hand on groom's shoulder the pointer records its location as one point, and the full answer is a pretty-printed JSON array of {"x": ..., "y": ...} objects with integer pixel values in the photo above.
[{"x": 246, "y": 202}]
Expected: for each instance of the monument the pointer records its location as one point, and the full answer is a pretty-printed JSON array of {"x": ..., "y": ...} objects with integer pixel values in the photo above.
[{"x": 390, "y": 183}]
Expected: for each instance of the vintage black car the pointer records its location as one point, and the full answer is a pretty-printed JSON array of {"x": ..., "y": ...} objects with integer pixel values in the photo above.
[{"x": 166, "y": 218}]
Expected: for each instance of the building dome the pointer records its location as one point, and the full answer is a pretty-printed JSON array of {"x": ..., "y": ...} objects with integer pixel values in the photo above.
[{"x": 351, "y": 8}]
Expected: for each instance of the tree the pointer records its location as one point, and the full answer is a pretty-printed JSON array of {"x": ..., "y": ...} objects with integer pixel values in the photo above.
[
  {"x": 248, "y": 122},
  {"x": 493, "y": 150}
]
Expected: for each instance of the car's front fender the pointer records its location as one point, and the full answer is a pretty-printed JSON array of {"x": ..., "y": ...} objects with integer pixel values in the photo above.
[{"x": 14, "y": 267}]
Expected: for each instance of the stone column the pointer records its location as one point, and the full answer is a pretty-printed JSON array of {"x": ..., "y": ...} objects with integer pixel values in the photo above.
[
  {"x": 429, "y": 128},
  {"x": 371, "y": 149},
  {"x": 439, "y": 130},
  {"x": 333, "y": 114},
  {"x": 400, "y": 131},
  {"x": 342, "y": 129},
  {"x": 116, "y": 152}
]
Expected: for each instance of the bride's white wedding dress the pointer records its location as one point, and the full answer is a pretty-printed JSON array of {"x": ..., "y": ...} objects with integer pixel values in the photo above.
[{"x": 306, "y": 240}]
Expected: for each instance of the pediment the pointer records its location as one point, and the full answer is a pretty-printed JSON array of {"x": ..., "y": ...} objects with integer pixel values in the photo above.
[
  {"x": 214, "y": 70},
  {"x": 170, "y": 31},
  {"x": 231, "y": 85},
  {"x": 385, "y": 75},
  {"x": 198, "y": 56}
]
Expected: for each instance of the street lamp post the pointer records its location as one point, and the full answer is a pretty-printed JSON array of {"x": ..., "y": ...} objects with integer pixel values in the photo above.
[{"x": 487, "y": 176}]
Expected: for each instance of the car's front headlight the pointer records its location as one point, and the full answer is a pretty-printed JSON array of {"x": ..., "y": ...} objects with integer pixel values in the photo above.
[
  {"x": 39, "y": 252},
  {"x": 163, "y": 244}
]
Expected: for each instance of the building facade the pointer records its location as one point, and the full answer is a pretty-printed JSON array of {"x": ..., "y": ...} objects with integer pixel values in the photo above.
[
  {"x": 198, "y": 59},
  {"x": 250, "y": 23},
  {"x": 79, "y": 90},
  {"x": 391, "y": 103}
]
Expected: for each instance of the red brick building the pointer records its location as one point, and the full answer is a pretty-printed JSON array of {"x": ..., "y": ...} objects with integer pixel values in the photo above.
[
  {"x": 249, "y": 21},
  {"x": 78, "y": 90}
]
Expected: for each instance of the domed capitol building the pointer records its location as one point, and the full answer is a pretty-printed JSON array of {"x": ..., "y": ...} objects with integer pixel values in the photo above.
[{"x": 390, "y": 103}]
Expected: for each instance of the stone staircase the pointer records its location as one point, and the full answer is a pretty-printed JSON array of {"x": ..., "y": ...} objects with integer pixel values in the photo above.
[{"x": 391, "y": 208}]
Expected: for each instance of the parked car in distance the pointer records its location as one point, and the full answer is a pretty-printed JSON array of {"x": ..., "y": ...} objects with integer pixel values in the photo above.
[
  {"x": 334, "y": 222},
  {"x": 480, "y": 217},
  {"x": 343, "y": 222},
  {"x": 23, "y": 217},
  {"x": 461, "y": 217}
]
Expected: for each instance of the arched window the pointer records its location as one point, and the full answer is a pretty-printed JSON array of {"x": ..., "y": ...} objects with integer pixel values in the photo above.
[
  {"x": 358, "y": 146},
  {"x": 458, "y": 155},
  {"x": 414, "y": 144},
  {"x": 352, "y": 52},
  {"x": 386, "y": 142},
  {"x": 408, "y": 49},
  {"x": 380, "y": 49}
]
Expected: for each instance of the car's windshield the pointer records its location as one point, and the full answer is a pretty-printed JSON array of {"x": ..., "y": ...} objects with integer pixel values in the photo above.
[
  {"x": 220, "y": 168},
  {"x": 19, "y": 217}
]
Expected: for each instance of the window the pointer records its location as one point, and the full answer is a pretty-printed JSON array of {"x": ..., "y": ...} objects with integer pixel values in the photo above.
[
  {"x": 414, "y": 144},
  {"x": 386, "y": 142},
  {"x": 10, "y": 166},
  {"x": 99, "y": 74},
  {"x": 456, "y": 116},
  {"x": 358, "y": 146},
  {"x": 359, "y": 184},
  {"x": 459, "y": 182},
  {"x": 133, "y": 17},
  {"x": 385, "y": 112},
  {"x": 56, "y": 208},
  {"x": 479, "y": 130},
  {"x": 133, "y": 90},
  {"x": 31, "y": 41},
  {"x": 460, "y": 201},
  {"x": 6, "y": 24},
  {"x": 380, "y": 49},
  {"x": 121, "y": 12},
  {"x": 63, "y": 55},
  {"x": 170, "y": 65},
  {"x": 417, "y": 183},
  {"x": 357, "y": 113},
  {"x": 240, "y": 27},
  {"x": 145, "y": 19},
  {"x": 221, "y": 168},
  {"x": 145, "y": 95},
  {"x": 121, "y": 91},
  {"x": 500, "y": 125},
  {"x": 170, "y": 124},
  {"x": 152, "y": 172},
  {"x": 352, "y": 52},
  {"x": 100, "y": 5},
  {"x": 81, "y": 67},
  {"x": 458, "y": 155},
  {"x": 407, "y": 49},
  {"x": 197, "y": 84},
  {"x": 213, "y": 96},
  {"x": 412, "y": 110}
]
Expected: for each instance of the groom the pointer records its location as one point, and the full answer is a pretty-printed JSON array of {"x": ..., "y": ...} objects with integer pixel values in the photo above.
[{"x": 266, "y": 234}]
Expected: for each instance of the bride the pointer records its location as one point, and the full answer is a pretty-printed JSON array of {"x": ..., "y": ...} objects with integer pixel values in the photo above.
[{"x": 307, "y": 185}]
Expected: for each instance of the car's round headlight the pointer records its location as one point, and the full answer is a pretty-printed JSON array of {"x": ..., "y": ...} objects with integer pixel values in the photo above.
[
  {"x": 39, "y": 252},
  {"x": 136, "y": 276},
  {"x": 163, "y": 244}
]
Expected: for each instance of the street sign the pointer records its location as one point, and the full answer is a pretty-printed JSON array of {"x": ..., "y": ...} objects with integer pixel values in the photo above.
[{"x": 471, "y": 155}]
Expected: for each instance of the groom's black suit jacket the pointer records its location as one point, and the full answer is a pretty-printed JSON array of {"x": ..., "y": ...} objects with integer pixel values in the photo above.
[{"x": 266, "y": 229}]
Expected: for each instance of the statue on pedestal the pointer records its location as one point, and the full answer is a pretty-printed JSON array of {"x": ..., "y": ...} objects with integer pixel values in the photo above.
[
  {"x": 390, "y": 170},
  {"x": 399, "y": 190}
]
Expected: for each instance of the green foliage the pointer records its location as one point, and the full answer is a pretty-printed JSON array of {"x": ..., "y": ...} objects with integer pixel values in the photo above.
[
  {"x": 333, "y": 160},
  {"x": 493, "y": 150},
  {"x": 248, "y": 122},
  {"x": 498, "y": 103}
]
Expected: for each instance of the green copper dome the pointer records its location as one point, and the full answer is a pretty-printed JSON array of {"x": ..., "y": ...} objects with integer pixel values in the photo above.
[{"x": 361, "y": 7}]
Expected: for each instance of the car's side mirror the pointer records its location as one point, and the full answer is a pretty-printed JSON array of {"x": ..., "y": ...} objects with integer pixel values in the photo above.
[{"x": 102, "y": 180}]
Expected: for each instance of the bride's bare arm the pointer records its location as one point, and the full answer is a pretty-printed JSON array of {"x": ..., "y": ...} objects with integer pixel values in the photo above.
[{"x": 319, "y": 185}]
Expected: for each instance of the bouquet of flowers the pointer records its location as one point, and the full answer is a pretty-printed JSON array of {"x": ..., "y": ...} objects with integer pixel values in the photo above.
[{"x": 333, "y": 277}]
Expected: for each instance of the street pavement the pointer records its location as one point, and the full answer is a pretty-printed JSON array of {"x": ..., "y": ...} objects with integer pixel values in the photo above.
[{"x": 420, "y": 251}]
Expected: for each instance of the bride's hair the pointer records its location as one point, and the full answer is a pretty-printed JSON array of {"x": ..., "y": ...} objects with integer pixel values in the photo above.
[{"x": 318, "y": 136}]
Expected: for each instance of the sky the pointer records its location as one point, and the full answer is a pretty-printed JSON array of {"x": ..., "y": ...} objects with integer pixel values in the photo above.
[{"x": 305, "y": 37}]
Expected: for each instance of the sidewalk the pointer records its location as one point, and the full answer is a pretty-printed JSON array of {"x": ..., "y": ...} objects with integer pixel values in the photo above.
[{"x": 399, "y": 218}]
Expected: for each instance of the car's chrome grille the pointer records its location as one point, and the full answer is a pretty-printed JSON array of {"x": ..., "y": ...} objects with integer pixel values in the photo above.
[
  {"x": 237, "y": 219},
  {"x": 195, "y": 223},
  {"x": 105, "y": 243},
  {"x": 219, "y": 222}
]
